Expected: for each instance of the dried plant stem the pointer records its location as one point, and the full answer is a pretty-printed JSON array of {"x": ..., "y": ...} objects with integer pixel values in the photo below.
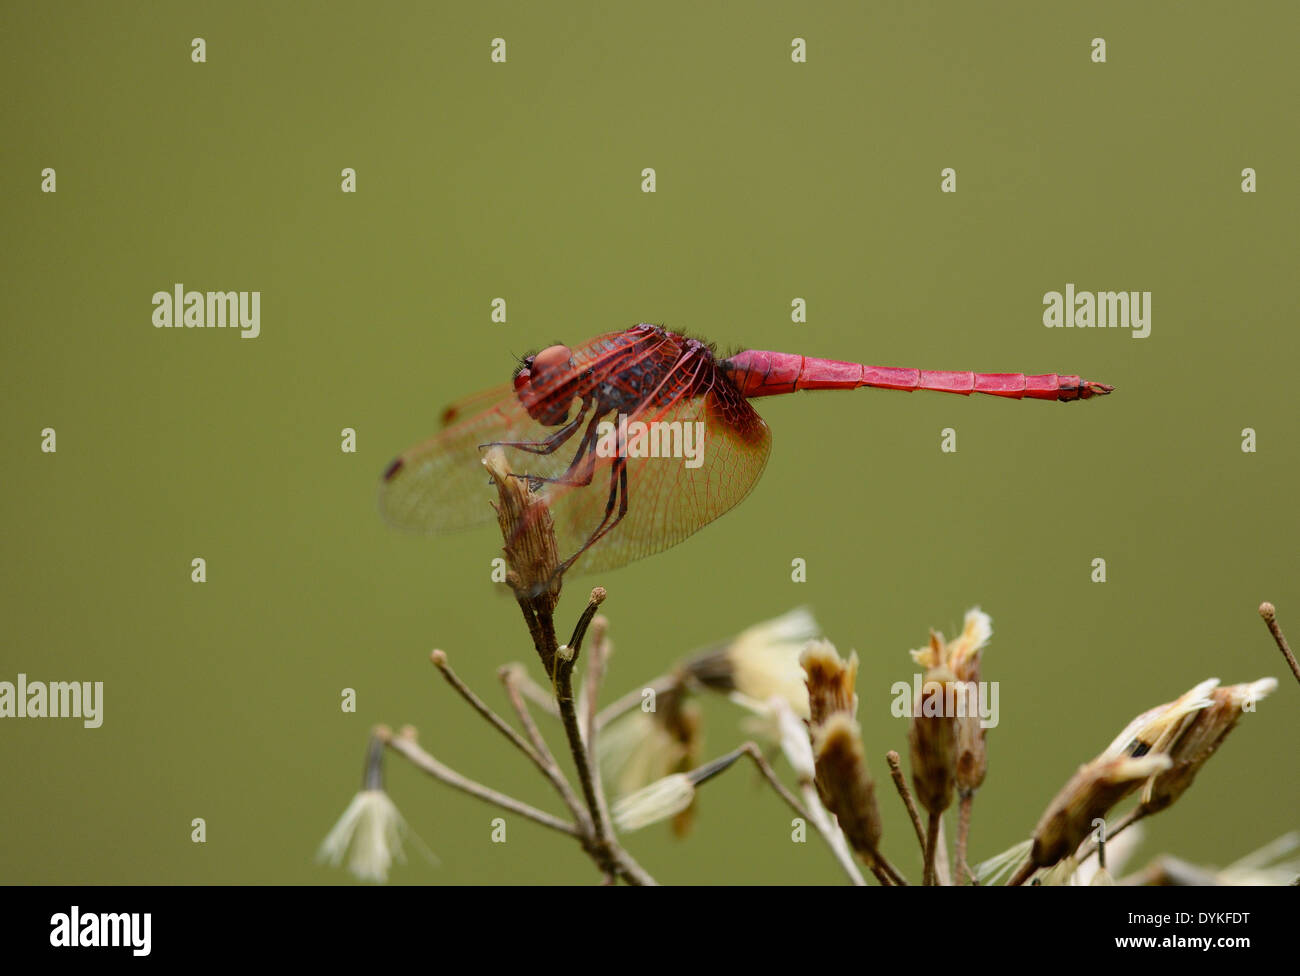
[
  {"x": 535, "y": 577},
  {"x": 407, "y": 747},
  {"x": 532, "y": 691},
  {"x": 599, "y": 844},
  {"x": 900, "y": 783},
  {"x": 578, "y": 750},
  {"x": 931, "y": 846},
  {"x": 541, "y": 627},
  {"x": 566, "y": 658},
  {"x": 511, "y": 678},
  {"x": 1267, "y": 611},
  {"x": 963, "y": 835}
]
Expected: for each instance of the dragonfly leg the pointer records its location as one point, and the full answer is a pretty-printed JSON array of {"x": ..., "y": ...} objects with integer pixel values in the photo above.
[
  {"x": 572, "y": 476},
  {"x": 617, "y": 493},
  {"x": 551, "y": 443}
]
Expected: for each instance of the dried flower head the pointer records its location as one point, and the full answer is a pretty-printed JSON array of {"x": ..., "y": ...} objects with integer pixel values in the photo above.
[
  {"x": 932, "y": 736},
  {"x": 962, "y": 654},
  {"x": 668, "y": 797},
  {"x": 761, "y": 661},
  {"x": 370, "y": 832},
  {"x": 369, "y": 835},
  {"x": 1199, "y": 738},
  {"x": 844, "y": 782},
  {"x": 946, "y": 735},
  {"x": 528, "y": 530}
]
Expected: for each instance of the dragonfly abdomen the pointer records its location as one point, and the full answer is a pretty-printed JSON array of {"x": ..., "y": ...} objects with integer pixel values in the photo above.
[{"x": 759, "y": 373}]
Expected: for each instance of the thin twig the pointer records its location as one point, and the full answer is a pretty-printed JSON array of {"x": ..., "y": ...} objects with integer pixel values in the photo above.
[
  {"x": 532, "y": 691},
  {"x": 407, "y": 747},
  {"x": 577, "y": 748},
  {"x": 566, "y": 658},
  {"x": 900, "y": 783},
  {"x": 510, "y": 678},
  {"x": 1267, "y": 611},
  {"x": 439, "y": 659},
  {"x": 597, "y": 597},
  {"x": 769, "y": 774}
]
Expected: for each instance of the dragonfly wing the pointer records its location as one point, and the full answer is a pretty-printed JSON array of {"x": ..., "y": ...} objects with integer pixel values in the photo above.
[
  {"x": 440, "y": 485},
  {"x": 668, "y": 497}
]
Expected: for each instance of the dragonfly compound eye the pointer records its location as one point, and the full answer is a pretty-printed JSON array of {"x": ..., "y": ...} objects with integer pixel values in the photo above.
[
  {"x": 550, "y": 362},
  {"x": 540, "y": 384}
]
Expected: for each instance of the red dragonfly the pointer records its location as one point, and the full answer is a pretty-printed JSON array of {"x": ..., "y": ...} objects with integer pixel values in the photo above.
[{"x": 626, "y": 491}]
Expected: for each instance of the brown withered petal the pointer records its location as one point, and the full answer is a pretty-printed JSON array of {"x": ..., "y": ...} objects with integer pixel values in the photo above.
[
  {"x": 933, "y": 741},
  {"x": 844, "y": 782},
  {"x": 830, "y": 682},
  {"x": 1090, "y": 793}
]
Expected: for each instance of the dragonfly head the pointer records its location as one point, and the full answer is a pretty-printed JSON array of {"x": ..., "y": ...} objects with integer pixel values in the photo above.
[{"x": 538, "y": 383}]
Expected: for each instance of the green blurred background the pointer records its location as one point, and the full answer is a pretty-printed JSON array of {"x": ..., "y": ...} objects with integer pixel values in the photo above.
[{"x": 522, "y": 180}]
